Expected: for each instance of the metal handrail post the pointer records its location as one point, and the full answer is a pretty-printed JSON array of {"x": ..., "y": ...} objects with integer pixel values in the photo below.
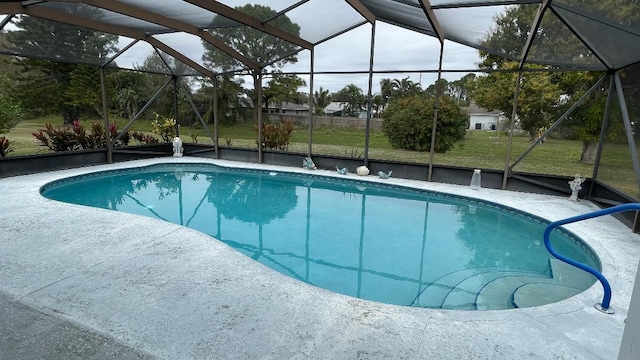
[{"x": 606, "y": 300}]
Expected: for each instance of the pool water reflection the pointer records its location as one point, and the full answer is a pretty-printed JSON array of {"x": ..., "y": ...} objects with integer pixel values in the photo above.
[{"x": 377, "y": 242}]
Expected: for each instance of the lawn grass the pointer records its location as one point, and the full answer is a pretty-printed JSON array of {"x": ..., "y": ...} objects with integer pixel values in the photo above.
[{"x": 480, "y": 149}]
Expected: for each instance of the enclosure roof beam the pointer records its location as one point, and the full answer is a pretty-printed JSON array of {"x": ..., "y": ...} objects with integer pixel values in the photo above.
[
  {"x": 433, "y": 20},
  {"x": 136, "y": 12},
  {"x": 249, "y": 20},
  {"x": 363, "y": 10},
  {"x": 112, "y": 29},
  {"x": 544, "y": 5},
  {"x": 584, "y": 39}
]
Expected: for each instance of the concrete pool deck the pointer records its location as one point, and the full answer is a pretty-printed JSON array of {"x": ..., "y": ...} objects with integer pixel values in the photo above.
[{"x": 86, "y": 283}]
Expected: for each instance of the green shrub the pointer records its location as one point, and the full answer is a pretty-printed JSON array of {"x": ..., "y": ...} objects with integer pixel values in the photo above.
[
  {"x": 164, "y": 127},
  {"x": 10, "y": 114},
  {"x": 408, "y": 123}
]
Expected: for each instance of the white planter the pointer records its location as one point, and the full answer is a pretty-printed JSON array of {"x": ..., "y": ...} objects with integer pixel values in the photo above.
[{"x": 362, "y": 170}]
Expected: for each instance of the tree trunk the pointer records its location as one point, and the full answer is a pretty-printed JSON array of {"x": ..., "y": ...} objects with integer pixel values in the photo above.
[
  {"x": 69, "y": 115},
  {"x": 589, "y": 152}
]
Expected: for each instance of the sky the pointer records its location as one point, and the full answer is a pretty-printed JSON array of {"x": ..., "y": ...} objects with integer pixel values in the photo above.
[{"x": 395, "y": 48}]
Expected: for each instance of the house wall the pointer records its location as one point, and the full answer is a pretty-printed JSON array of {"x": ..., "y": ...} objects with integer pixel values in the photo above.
[{"x": 486, "y": 121}]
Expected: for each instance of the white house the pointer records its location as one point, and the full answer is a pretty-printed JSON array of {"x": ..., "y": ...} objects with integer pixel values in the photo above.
[{"x": 481, "y": 119}]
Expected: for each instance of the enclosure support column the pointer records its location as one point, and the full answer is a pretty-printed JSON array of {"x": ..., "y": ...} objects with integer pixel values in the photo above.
[
  {"x": 105, "y": 116},
  {"x": 175, "y": 104},
  {"x": 367, "y": 127},
  {"x": 216, "y": 121},
  {"x": 560, "y": 120},
  {"x": 514, "y": 110},
  {"x": 311, "y": 105},
  {"x": 628, "y": 128},
  {"x": 603, "y": 130},
  {"x": 436, "y": 105},
  {"x": 257, "y": 84}
]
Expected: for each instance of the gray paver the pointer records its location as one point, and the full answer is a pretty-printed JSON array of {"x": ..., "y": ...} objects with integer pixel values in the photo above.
[
  {"x": 104, "y": 284},
  {"x": 29, "y": 333}
]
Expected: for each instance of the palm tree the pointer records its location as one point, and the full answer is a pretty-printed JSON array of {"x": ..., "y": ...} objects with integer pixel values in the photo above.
[
  {"x": 352, "y": 98},
  {"x": 386, "y": 91},
  {"x": 377, "y": 104},
  {"x": 321, "y": 99},
  {"x": 405, "y": 87}
]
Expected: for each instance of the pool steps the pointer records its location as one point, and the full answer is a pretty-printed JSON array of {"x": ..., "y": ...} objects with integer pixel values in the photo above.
[{"x": 496, "y": 288}]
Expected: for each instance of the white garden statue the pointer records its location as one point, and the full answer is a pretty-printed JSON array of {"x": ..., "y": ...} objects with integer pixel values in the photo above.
[
  {"x": 177, "y": 147},
  {"x": 575, "y": 185}
]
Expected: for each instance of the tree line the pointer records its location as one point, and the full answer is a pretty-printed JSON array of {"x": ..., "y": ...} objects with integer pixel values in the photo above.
[{"x": 40, "y": 87}]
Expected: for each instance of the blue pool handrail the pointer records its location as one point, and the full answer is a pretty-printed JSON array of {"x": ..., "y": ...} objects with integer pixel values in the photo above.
[{"x": 604, "y": 306}]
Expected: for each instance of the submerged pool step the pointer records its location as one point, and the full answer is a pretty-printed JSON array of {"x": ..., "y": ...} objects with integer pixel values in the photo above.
[
  {"x": 536, "y": 294},
  {"x": 433, "y": 294},
  {"x": 465, "y": 294},
  {"x": 495, "y": 288},
  {"x": 497, "y": 295},
  {"x": 458, "y": 289},
  {"x": 567, "y": 281}
]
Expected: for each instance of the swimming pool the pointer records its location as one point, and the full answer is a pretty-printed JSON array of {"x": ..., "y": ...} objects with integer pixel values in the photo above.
[{"x": 379, "y": 242}]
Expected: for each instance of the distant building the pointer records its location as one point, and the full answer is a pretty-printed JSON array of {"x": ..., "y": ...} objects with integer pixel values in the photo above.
[
  {"x": 481, "y": 119},
  {"x": 288, "y": 108},
  {"x": 334, "y": 108}
]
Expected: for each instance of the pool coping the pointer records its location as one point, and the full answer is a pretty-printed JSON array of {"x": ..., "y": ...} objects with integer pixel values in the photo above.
[{"x": 174, "y": 293}]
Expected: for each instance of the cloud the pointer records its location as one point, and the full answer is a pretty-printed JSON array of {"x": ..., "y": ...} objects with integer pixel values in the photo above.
[{"x": 396, "y": 49}]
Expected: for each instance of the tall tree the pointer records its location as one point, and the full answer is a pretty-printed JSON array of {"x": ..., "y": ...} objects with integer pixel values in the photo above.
[
  {"x": 321, "y": 99},
  {"x": 158, "y": 63},
  {"x": 43, "y": 84},
  {"x": 352, "y": 99},
  {"x": 405, "y": 87},
  {"x": 265, "y": 49},
  {"x": 386, "y": 91},
  {"x": 538, "y": 100},
  {"x": 555, "y": 91},
  {"x": 431, "y": 90},
  {"x": 377, "y": 104},
  {"x": 84, "y": 89},
  {"x": 282, "y": 88},
  {"x": 461, "y": 90},
  {"x": 127, "y": 89}
]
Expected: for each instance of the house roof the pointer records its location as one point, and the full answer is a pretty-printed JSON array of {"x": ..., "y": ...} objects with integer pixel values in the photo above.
[{"x": 475, "y": 109}]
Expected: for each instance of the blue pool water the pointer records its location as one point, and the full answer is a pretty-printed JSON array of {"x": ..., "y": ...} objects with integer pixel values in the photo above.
[{"x": 378, "y": 242}]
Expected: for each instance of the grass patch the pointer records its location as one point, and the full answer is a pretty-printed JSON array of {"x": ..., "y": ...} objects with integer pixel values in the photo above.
[{"x": 486, "y": 150}]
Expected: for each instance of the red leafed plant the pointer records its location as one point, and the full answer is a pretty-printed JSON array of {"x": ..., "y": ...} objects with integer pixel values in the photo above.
[
  {"x": 5, "y": 147},
  {"x": 76, "y": 137}
]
